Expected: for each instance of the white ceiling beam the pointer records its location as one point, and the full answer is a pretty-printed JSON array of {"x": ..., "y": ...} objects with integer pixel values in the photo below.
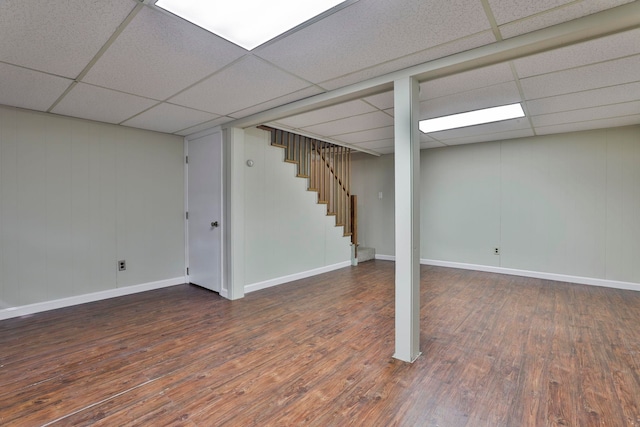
[{"x": 611, "y": 21}]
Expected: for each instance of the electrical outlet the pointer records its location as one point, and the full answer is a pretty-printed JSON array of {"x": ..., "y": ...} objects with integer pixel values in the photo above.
[
  {"x": 122, "y": 265},
  {"x": 496, "y": 251}
]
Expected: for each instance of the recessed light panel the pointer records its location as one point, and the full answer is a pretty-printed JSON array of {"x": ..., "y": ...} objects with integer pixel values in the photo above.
[
  {"x": 471, "y": 118},
  {"x": 247, "y": 23}
]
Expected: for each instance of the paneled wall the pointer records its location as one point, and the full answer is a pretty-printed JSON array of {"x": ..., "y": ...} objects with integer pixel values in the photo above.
[
  {"x": 76, "y": 197},
  {"x": 565, "y": 204},
  {"x": 286, "y": 232},
  {"x": 373, "y": 183}
]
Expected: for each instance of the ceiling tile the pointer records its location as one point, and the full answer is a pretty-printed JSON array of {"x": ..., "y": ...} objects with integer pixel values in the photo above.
[
  {"x": 598, "y": 50},
  {"x": 30, "y": 89},
  {"x": 367, "y": 135},
  {"x": 479, "y": 130},
  {"x": 611, "y": 73},
  {"x": 492, "y": 96},
  {"x": 510, "y": 10},
  {"x": 373, "y": 120},
  {"x": 158, "y": 55},
  {"x": 446, "y": 49},
  {"x": 387, "y": 150},
  {"x": 381, "y": 101},
  {"x": 276, "y": 102},
  {"x": 569, "y": 12},
  {"x": 327, "y": 114},
  {"x": 589, "y": 125},
  {"x": 426, "y": 138},
  {"x": 58, "y": 37},
  {"x": 343, "y": 42},
  {"x": 246, "y": 83},
  {"x": 585, "y": 114},
  {"x": 204, "y": 126},
  {"x": 104, "y": 105},
  {"x": 513, "y": 134},
  {"x": 169, "y": 118},
  {"x": 374, "y": 145},
  {"x": 469, "y": 80},
  {"x": 586, "y": 99},
  {"x": 431, "y": 144}
]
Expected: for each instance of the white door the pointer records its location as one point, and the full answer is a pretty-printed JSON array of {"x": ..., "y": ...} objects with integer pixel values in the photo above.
[{"x": 205, "y": 210}]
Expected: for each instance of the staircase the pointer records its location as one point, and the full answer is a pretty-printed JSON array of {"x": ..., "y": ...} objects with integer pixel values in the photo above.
[{"x": 327, "y": 167}]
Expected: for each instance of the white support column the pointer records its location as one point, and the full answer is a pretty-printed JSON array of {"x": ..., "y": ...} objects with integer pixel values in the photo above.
[
  {"x": 233, "y": 149},
  {"x": 407, "y": 207}
]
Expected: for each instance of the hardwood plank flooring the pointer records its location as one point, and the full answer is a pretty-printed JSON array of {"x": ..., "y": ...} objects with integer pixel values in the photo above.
[{"x": 497, "y": 351}]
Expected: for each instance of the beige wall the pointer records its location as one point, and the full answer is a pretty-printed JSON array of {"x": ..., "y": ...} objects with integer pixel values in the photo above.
[
  {"x": 372, "y": 175},
  {"x": 566, "y": 204},
  {"x": 286, "y": 232},
  {"x": 76, "y": 197}
]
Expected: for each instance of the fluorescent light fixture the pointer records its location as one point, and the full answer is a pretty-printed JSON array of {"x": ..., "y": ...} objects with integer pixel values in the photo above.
[
  {"x": 247, "y": 23},
  {"x": 471, "y": 118}
]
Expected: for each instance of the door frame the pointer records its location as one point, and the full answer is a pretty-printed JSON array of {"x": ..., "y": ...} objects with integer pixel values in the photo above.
[{"x": 223, "y": 222}]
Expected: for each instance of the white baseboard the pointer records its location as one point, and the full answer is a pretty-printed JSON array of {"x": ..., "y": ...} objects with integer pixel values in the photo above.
[
  {"x": 24, "y": 310},
  {"x": 527, "y": 273},
  {"x": 537, "y": 274},
  {"x": 285, "y": 279}
]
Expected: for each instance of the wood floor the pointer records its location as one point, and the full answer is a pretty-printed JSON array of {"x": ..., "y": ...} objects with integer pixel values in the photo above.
[{"x": 497, "y": 351}]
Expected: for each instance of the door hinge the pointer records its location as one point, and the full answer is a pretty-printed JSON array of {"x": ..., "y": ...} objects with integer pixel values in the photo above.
[
  {"x": 187, "y": 271},
  {"x": 186, "y": 159},
  {"x": 186, "y": 215}
]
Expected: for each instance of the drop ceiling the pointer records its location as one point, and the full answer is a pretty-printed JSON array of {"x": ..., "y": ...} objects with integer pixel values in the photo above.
[{"x": 128, "y": 62}]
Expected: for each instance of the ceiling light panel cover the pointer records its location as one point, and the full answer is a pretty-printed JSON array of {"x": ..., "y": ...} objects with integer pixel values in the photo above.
[{"x": 247, "y": 23}]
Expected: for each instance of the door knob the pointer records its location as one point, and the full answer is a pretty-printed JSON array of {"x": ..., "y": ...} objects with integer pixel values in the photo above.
[{"x": 214, "y": 224}]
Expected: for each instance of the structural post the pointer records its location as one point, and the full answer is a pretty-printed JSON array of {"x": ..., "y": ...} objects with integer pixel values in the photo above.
[{"x": 407, "y": 212}]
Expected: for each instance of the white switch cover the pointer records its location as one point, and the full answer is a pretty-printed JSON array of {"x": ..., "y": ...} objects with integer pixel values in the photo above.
[{"x": 380, "y": 195}]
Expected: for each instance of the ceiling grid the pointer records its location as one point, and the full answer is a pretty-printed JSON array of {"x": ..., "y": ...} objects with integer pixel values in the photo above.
[{"x": 128, "y": 62}]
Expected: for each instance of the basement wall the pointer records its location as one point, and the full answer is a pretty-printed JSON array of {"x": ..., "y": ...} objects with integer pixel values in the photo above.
[
  {"x": 78, "y": 196},
  {"x": 287, "y": 234},
  {"x": 567, "y": 204}
]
